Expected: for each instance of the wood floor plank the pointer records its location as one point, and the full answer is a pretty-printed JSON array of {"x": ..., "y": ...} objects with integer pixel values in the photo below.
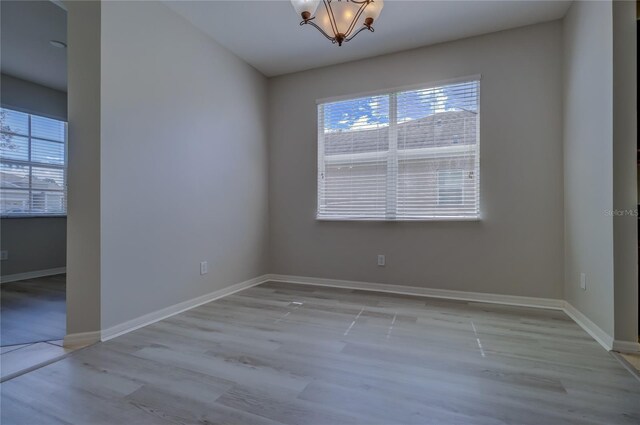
[
  {"x": 28, "y": 357},
  {"x": 8, "y": 348},
  {"x": 291, "y": 411}
]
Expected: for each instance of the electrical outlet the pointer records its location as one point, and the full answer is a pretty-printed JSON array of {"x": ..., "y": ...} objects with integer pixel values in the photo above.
[
  {"x": 583, "y": 281},
  {"x": 4, "y": 255},
  {"x": 381, "y": 260},
  {"x": 204, "y": 267}
]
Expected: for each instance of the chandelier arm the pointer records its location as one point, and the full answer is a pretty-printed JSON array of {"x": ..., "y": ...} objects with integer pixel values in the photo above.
[
  {"x": 363, "y": 6},
  {"x": 313, "y": 24},
  {"x": 307, "y": 21},
  {"x": 358, "y": 32},
  {"x": 332, "y": 18}
]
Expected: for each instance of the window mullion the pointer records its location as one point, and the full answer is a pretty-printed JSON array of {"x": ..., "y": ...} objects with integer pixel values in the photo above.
[
  {"x": 392, "y": 160},
  {"x": 30, "y": 200},
  {"x": 66, "y": 158}
]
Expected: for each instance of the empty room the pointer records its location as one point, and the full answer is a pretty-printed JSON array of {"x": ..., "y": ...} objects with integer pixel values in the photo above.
[{"x": 319, "y": 212}]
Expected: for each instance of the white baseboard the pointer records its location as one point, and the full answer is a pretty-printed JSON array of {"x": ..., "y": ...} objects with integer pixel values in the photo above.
[
  {"x": 583, "y": 321},
  {"x": 629, "y": 347},
  {"x": 81, "y": 339},
  {"x": 158, "y": 315},
  {"x": 591, "y": 328},
  {"x": 603, "y": 338},
  {"x": 548, "y": 303},
  {"x": 32, "y": 275}
]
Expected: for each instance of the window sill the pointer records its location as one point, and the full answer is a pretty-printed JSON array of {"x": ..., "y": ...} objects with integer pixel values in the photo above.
[
  {"x": 404, "y": 220},
  {"x": 4, "y": 217}
]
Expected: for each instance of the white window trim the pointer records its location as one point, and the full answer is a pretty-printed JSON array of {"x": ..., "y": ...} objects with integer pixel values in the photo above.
[{"x": 414, "y": 153}]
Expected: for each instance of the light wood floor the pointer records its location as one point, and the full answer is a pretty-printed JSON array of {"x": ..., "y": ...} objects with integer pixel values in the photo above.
[
  {"x": 287, "y": 354},
  {"x": 18, "y": 359},
  {"x": 33, "y": 310}
]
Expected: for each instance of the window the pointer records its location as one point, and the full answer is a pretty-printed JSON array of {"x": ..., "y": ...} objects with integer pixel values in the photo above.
[
  {"x": 402, "y": 155},
  {"x": 450, "y": 187},
  {"x": 33, "y": 173}
]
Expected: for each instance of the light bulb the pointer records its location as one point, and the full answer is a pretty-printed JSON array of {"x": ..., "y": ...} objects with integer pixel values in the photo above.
[
  {"x": 343, "y": 12},
  {"x": 373, "y": 10},
  {"x": 305, "y": 8}
]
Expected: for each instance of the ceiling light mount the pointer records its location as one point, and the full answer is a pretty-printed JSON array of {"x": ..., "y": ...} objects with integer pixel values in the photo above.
[{"x": 338, "y": 20}]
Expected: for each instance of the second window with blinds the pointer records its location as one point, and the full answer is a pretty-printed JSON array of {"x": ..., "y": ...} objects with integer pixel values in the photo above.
[{"x": 401, "y": 155}]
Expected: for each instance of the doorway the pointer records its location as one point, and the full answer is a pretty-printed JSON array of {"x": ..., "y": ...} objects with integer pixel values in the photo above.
[{"x": 33, "y": 180}]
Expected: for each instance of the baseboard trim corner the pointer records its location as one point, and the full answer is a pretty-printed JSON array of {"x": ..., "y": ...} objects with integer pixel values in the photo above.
[
  {"x": 81, "y": 339},
  {"x": 32, "y": 275},
  {"x": 155, "y": 316},
  {"x": 628, "y": 347},
  {"x": 591, "y": 328},
  {"x": 547, "y": 303},
  {"x": 604, "y": 339}
]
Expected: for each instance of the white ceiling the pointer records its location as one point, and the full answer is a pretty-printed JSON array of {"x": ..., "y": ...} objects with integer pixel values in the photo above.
[
  {"x": 26, "y": 29},
  {"x": 267, "y": 34}
]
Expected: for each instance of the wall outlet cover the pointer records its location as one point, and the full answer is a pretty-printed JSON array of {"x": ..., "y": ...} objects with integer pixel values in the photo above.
[
  {"x": 583, "y": 281},
  {"x": 4, "y": 255},
  {"x": 204, "y": 267},
  {"x": 381, "y": 260}
]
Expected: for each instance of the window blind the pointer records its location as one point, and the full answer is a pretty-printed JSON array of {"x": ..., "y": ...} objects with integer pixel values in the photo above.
[
  {"x": 33, "y": 168},
  {"x": 403, "y": 155}
]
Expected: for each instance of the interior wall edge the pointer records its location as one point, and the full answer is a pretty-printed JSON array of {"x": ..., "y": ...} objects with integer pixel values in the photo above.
[
  {"x": 625, "y": 179},
  {"x": 83, "y": 178},
  {"x": 79, "y": 339},
  {"x": 597, "y": 333},
  {"x": 587, "y": 169}
]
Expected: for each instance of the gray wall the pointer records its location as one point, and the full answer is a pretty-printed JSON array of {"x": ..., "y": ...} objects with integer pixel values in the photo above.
[
  {"x": 588, "y": 160},
  {"x": 184, "y": 163},
  {"x": 26, "y": 96},
  {"x": 37, "y": 243},
  {"x": 625, "y": 130},
  {"x": 83, "y": 206},
  {"x": 517, "y": 247},
  {"x": 33, "y": 244}
]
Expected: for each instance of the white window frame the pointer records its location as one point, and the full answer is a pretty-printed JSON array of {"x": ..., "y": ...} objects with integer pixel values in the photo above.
[
  {"x": 393, "y": 154},
  {"x": 30, "y": 163}
]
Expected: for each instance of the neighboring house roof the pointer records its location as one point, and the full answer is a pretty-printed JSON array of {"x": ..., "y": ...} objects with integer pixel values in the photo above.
[
  {"x": 11, "y": 180},
  {"x": 439, "y": 129}
]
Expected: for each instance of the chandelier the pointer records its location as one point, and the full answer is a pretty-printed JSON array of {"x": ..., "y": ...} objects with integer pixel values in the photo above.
[{"x": 339, "y": 20}]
